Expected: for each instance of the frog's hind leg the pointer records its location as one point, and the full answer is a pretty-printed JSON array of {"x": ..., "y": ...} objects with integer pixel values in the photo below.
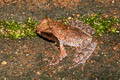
[{"x": 83, "y": 54}]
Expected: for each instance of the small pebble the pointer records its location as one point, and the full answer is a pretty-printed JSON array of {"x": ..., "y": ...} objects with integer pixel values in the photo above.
[
  {"x": 78, "y": 15},
  {"x": 69, "y": 18},
  {"x": 3, "y": 63},
  {"x": 38, "y": 73},
  {"x": 117, "y": 31},
  {"x": 113, "y": 1}
]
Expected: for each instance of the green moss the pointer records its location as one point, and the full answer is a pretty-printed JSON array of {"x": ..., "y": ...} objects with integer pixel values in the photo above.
[
  {"x": 99, "y": 23},
  {"x": 16, "y": 30},
  {"x": 102, "y": 25}
]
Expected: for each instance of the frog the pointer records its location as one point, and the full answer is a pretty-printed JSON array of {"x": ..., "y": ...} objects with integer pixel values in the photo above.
[{"x": 71, "y": 35}]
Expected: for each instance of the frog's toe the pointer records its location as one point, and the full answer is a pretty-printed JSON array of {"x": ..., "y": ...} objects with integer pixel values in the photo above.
[
  {"x": 54, "y": 62},
  {"x": 62, "y": 56}
]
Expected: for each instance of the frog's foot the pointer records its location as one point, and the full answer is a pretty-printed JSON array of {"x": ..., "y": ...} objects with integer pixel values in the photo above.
[
  {"x": 61, "y": 57},
  {"x": 77, "y": 60},
  {"x": 55, "y": 62},
  {"x": 77, "y": 64}
]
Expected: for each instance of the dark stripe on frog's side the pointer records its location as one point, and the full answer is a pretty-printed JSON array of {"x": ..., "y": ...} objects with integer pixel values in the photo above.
[{"x": 49, "y": 37}]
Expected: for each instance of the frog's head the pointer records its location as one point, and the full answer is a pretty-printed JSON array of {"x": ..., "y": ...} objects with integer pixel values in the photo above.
[{"x": 44, "y": 26}]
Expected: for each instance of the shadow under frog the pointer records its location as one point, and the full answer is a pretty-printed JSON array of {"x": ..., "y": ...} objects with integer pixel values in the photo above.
[{"x": 74, "y": 35}]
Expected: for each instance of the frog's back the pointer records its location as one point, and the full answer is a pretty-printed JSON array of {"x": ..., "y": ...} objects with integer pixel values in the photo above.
[{"x": 74, "y": 37}]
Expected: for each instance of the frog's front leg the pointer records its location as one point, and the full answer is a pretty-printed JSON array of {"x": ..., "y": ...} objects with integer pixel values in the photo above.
[{"x": 62, "y": 55}]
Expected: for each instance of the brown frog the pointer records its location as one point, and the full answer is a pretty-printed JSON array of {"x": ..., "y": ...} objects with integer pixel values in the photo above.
[{"x": 68, "y": 35}]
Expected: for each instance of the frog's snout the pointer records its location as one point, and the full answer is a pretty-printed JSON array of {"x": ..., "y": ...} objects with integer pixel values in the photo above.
[{"x": 37, "y": 31}]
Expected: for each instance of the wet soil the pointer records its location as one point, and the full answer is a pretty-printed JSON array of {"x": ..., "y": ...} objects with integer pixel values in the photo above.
[{"x": 28, "y": 58}]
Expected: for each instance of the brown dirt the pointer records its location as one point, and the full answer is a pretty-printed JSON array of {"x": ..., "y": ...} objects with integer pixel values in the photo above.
[{"x": 28, "y": 59}]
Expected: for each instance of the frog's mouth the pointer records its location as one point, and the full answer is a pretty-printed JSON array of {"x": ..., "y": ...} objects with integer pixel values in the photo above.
[{"x": 37, "y": 31}]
